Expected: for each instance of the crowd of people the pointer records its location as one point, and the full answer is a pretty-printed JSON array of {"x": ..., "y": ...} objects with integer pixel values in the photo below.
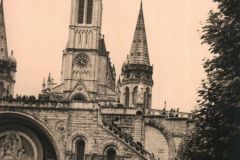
[
  {"x": 125, "y": 136},
  {"x": 173, "y": 113}
]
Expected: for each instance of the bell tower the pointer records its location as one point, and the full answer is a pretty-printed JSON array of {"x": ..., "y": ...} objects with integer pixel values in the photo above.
[
  {"x": 137, "y": 82},
  {"x": 85, "y": 24},
  {"x": 87, "y": 73}
]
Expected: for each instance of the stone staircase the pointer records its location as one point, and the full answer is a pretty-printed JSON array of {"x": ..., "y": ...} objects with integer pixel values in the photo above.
[{"x": 127, "y": 140}]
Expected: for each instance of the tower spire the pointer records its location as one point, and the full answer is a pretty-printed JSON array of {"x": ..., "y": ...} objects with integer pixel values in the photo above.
[
  {"x": 137, "y": 71},
  {"x": 3, "y": 35},
  {"x": 139, "y": 50}
]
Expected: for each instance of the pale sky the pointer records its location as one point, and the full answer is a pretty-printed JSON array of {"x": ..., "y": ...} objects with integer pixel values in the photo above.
[{"x": 37, "y": 31}]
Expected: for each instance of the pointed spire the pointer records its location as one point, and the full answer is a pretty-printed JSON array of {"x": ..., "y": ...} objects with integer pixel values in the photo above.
[
  {"x": 49, "y": 78},
  {"x": 43, "y": 84},
  {"x": 139, "y": 50},
  {"x": 3, "y": 35}
]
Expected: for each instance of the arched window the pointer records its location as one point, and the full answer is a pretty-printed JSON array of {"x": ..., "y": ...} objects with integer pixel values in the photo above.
[
  {"x": 81, "y": 11},
  {"x": 89, "y": 11},
  {"x": 127, "y": 93},
  {"x": 1, "y": 89},
  {"x": 80, "y": 149},
  {"x": 147, "y": 98},
  {"x": 8, "y": 90},
  {"x": 134, "y": 95},
  {"x": 111, "y": 154}
]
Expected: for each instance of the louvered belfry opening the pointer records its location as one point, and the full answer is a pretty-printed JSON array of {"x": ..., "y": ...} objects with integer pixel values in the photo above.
[
  {"x": 89, "y": 11},
  {"x": 127, "y": 97},
  {"x": 85, "y": 11},
  {"x": 81, "y": 11}
]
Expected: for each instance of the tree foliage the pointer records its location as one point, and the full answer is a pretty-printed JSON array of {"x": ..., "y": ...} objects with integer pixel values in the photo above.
[{"x": 217, "y": 133}]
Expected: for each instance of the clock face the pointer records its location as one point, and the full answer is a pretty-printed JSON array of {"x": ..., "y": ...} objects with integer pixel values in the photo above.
[{"x": 81, "y": 60}]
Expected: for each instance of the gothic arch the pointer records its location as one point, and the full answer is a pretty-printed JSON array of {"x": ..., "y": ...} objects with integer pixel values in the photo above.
[
  {"x": 80, "y": 148},
  {"x": 127, "y": 97},
  {"x": 80, "y": 13},
  {"x": 79, "y": 91},
  {"x": 8, "y": 118},
  {"x": 147, "y": 98},
  {"x": 109, "y": 150},
  {"x": 76, "y": 137},
  {"x": 111, "y": 154},
  {"x": 134, "y": 95},
  {"x": 167, "y": 135}
]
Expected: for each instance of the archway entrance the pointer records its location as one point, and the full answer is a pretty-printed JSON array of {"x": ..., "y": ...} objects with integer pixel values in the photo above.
[{"x": 23, "y": 139}]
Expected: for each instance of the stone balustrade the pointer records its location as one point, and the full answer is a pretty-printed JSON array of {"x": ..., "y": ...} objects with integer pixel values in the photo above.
[
  {"x": 48, "y": 104},
  {"x": 34, "y": 103},
  {"x": 119, "y": 111},
  {"x": 168, "y": 114}
]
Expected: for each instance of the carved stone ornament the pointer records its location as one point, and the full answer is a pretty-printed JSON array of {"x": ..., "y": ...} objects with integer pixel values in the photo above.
[
  {"x": 11, "y": 148},
  {"x": 60, "y": 126}
]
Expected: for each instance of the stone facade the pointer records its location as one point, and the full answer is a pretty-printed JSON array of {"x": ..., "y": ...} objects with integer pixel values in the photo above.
[
  {"x": 53, "y": 128},
  {"x": 87, "y": 117}
]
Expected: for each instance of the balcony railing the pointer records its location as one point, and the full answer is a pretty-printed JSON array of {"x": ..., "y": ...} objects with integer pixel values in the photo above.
[{"x": 33, "y": 103}]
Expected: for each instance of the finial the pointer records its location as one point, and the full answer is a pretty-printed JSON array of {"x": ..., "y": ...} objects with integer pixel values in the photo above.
[
  {"x": 43, "y": 84},
  {"x": 11, "y": 52},
  {"x": 49, "y": 77},
  {"x": 141, "y": 3}
]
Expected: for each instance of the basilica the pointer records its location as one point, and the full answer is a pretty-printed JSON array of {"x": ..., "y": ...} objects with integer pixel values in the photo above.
[{"x": 91, "y": 114}]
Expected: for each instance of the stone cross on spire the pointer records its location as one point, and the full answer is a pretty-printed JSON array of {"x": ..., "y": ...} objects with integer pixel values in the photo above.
[
  {"x": 139, "y": 50},
  {"x": 3, "y": 35}
]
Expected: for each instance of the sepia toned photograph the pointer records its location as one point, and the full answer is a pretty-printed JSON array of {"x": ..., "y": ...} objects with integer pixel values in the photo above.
[{"x": 119, "y": 80}]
